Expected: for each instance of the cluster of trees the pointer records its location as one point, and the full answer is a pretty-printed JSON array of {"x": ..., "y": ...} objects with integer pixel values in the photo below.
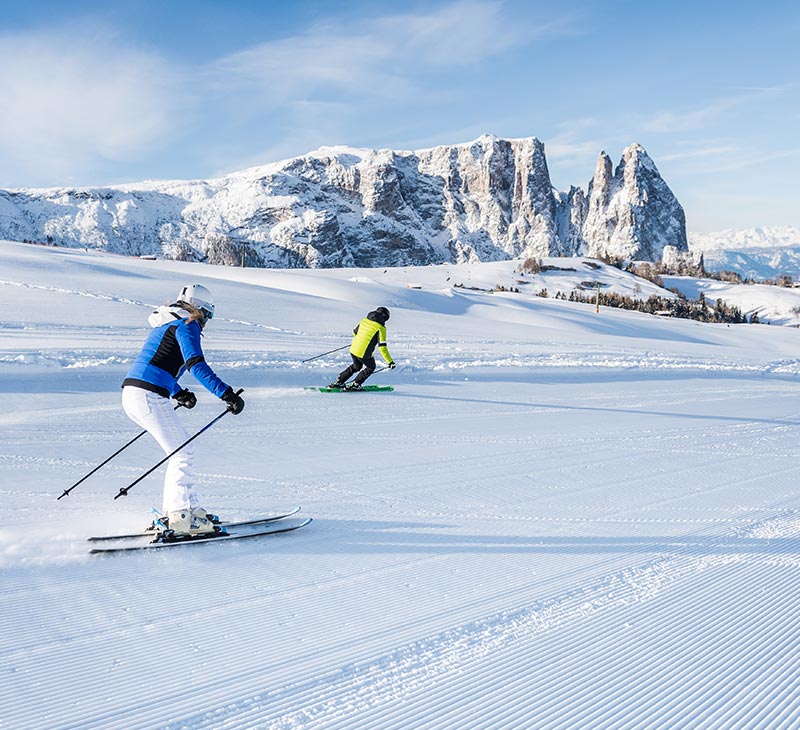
[
  {"x": 783, "y": 280},
  {"x": 654, "y": 271},
  {"x": 535, "y": 266},
  {"x": 48, "y": 242},
  {"x": 681, "y": 307}
]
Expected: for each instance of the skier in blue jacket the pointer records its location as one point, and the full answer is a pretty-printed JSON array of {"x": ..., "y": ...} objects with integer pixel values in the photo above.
[{"x": 172, "y": 348}]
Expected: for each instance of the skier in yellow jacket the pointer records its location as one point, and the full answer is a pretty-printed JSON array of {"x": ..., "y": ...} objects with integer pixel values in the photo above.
[{"x": 367, "y": 334}]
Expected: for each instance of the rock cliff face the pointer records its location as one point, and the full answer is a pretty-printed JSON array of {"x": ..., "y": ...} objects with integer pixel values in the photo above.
[
  {"x": 632, "y": 214},
  {"x": 487, "y": 200}
]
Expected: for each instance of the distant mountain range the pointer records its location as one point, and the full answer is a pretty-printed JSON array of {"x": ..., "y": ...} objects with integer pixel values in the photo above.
[
  {"x": 765, "y": 237},
  {"x": 487, "y": 200},
  {"x": 758, "y": 253}
]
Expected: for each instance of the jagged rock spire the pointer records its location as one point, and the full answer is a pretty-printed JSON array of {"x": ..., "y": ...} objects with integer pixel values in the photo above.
[{"x": 632, "y": 214}]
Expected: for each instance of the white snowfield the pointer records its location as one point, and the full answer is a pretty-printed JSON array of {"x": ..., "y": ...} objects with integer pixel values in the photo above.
[{"x": 558, "y": 519}]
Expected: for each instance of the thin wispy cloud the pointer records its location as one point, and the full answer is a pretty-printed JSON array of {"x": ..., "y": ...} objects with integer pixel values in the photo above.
[
  {"x": 75, "y": 98},
  {"x": 355, "y": 72},
  {"x": 699, "y": 153},
  {"x": 84, "y": 97},
  {"x": 302, "y": 66},
  {"x": 751, "y": 159},
  {"x": 709, "y": 114},
  {"x": 574, "y": 141},
  {"x": 383, "y": 57}
]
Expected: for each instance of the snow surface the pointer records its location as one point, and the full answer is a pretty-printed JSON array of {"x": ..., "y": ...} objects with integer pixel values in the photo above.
[{"x": 559, "y": 519}]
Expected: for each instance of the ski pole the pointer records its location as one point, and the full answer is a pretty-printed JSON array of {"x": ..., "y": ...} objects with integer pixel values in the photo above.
[
  {"x": 67, "y": 491},
  {"x": 316, "y": 357},
  {"x": 118, "y": 451},
  {"x": 123, "y": 492}
]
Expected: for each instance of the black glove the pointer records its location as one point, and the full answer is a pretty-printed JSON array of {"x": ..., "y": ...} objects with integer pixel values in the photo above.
[
  {"x": 234, "y": 401},
  {"x": 392, "y": 365},
  {"x": 186, "y": 398}
]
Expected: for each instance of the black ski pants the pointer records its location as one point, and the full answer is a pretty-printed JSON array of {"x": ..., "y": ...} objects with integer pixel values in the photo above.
[{"x": 368, "y": 365}]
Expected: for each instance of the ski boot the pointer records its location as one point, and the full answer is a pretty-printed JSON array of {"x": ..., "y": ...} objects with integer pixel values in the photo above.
[
  {"x": 337, "y": 385},
  {"x": 353, "y": 386},
  {"x": 185, "y": 524},
  {"x": 214, "y": 519}
]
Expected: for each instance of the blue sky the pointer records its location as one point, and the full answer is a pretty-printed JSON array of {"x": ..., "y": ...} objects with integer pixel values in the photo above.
[{"x": 105, "y": 92}]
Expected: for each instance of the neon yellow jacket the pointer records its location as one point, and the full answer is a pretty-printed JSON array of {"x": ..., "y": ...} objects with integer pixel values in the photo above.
[{"x": 366, "y": 335}]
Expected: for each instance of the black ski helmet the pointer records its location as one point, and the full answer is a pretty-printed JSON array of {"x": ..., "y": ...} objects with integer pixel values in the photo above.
[{"x": 383, "y": 311}]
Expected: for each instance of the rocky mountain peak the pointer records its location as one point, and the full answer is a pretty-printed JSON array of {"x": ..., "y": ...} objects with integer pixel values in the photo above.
[
  {"x": 632, "y": 214},
  {"x": 489, "y": 199}
]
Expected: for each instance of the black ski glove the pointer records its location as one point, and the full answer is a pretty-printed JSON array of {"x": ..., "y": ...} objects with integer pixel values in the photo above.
[
  {"x": 234, "y": 401},
  {"x": 392, "y": 365},
  {"x": 186, "y": 398}
]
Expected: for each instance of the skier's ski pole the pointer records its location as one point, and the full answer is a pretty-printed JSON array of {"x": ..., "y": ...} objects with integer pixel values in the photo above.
[
  {"x": 123, "y": 492},
  {"x": 316, "y": 357},
  {"x": 67, "y": 491},
  {"x": 118, "y": 451}
]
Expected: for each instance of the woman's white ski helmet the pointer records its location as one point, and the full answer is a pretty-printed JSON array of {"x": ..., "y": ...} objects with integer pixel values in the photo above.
[{"x": 198, "y": 296}]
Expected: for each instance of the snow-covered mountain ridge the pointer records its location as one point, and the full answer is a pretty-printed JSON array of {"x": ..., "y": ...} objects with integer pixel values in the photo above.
[
  {"x": 746, "y": 238},
  {"x": 758, "y": 253},
  {"x": 487, "y": 200}
]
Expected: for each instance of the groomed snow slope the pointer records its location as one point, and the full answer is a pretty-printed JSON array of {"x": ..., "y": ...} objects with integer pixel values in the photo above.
[{"x": 558, "y": 519}]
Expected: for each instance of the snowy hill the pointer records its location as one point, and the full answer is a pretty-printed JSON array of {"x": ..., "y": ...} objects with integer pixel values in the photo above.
[
  {"x": 486, "y": 200},
  {"x": 772, "y": 304},
  {"x": 558, "y": 519}
]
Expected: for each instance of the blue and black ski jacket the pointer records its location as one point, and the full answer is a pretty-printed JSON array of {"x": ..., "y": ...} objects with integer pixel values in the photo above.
[{"x": 169, "y": 351}]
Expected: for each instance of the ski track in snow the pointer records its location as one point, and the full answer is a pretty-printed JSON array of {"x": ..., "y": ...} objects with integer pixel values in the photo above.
[
  {"x": 331, "y": 701},
  {"x": 76, "y": 292},
  {"x": 603, "y": 361},
  {"x": 539, "y": 528}
]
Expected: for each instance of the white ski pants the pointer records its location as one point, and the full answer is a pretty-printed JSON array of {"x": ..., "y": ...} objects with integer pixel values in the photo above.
[{"x": 157, "y": 415}]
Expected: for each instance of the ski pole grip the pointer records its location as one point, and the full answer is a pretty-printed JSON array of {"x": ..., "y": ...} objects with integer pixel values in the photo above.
[{"x": 230, "y": 403}]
